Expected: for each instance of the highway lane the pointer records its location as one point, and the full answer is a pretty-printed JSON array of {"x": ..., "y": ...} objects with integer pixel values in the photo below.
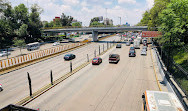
[
  {"x": 107, "y": 87},
  {"x": 16, "y": 84}
]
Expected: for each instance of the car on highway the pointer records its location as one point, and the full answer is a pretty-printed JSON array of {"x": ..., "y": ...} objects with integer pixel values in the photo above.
[
  {"x": 128, "y": 43},
  {"x": 118, "y": 46},
  {"x": 126, "y": 39},
  {"x": 96, "y": 60},
  {"x": 143, "y": 52},
  {"x": 144, "y": 47},
  {"x": 69, "y": 56},
  {"x": 1, "y": 87},
  {"x": 114, "y": 58},
  {"x": 4, "y": 53},
  {"x": 56, "y": 43},
  {"x": 132, "y": 53}
]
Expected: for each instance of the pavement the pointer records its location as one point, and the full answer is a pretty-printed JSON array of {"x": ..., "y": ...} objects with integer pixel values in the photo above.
[{"x": 104, "y": 87}]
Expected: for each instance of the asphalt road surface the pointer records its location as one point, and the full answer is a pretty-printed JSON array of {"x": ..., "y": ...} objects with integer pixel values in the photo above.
[
  {"x": 104, "y": 87},
  {"x": 15, "y": 83}
]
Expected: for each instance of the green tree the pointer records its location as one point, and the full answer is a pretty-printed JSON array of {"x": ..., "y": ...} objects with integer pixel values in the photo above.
[
  {"x": 20, "y": 43},
  {"x": 34, "y": 25},
  {"x": 96, "y": 24},
  {"x": 76, "y": 24},
  {"x": 144, "y": 21},
  {"x": 57, "y": 23},
  {"x": 174, "y": 22},
  {"x": 21, "y": 14},
  {"x": 22, "y": 31},
  {"x": 66, "y": 20}
]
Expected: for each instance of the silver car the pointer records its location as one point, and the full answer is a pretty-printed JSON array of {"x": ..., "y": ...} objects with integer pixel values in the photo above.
[
  {"x": 144, "y": 47},
  {"x": 143, "y": 52}
]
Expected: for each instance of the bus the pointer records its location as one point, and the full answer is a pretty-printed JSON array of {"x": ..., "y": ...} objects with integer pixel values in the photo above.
[
  {"x": 161, "y": 101},
  {"x": 33, "y": 46}
]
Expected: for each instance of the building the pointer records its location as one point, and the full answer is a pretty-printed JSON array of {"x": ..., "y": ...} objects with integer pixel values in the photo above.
[
  {"x": 56, "y": 18},
  {"x": 108, "y": 21}
]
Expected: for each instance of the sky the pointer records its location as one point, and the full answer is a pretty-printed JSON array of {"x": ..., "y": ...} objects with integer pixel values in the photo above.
[{"x": 84, "y": 10}]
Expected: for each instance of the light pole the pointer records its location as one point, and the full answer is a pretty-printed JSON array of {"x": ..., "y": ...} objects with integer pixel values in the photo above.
[{"x": 120, "y": 20}]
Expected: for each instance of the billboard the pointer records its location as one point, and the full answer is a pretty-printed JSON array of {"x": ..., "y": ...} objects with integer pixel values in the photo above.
[{"x": 151, "y": 33}]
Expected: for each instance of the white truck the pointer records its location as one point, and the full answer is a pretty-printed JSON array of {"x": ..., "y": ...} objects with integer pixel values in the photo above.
[
  {"x": 161, "y": 101},
  {"x": 136, "y": 44}
]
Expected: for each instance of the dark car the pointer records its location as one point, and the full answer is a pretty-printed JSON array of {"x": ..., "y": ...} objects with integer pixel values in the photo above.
[
  {"x": 96, "y": 60},
  {"x": 132, "y": 53},
  {"x": 69, "y": 56},
  {"x": 118, "y": 46},
  {"x": 114, "y": 58}
]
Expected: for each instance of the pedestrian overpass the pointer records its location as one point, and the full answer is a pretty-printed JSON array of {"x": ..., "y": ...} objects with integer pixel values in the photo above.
[{"x": 95, "y": 30}]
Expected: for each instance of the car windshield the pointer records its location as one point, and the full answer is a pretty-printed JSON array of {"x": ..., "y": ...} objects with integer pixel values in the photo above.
[{"x": 113, "y": 56}]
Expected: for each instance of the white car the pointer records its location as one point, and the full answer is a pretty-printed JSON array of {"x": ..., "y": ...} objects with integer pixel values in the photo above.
[
  {"x": 144, "y": 52},
  {"x": 56, "y": 43},
  {"x": 4, "y": 53},
  {"x": 126, "y": 39}
]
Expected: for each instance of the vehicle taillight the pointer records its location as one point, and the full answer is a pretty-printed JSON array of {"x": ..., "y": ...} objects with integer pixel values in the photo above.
[{"x": 129, "y": 53}]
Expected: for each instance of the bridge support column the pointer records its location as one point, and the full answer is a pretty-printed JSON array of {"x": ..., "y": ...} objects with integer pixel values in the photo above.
[{"x": 95, "y": 36}]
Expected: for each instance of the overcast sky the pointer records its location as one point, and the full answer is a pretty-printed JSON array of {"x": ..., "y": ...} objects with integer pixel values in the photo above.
[{"x": 83, "y": 10}]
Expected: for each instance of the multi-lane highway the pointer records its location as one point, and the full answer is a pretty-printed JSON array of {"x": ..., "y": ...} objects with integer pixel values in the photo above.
[
  {"x": 16, "y": 83},
  {"x": 104, "y": 87}
]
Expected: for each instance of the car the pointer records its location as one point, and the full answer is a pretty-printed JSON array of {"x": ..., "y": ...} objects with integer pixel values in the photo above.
[
  {"x": 126, "y": 39},
  {"x": 128, "y": 44},
  {"x": 69, "y": 56},
  {"x": 114, "y": 58},
  {"x": 143, "y": 52},
  {"x": 96, "y": 60},
  {"x": 132, "y": 53},
  {"x": 4, "y": 53},
  {"x": 144, "y": 47},
  {"x": 56, "y": 43},
  {"x": 118, "y": 46},
  {"x": 1, "y": 87}
]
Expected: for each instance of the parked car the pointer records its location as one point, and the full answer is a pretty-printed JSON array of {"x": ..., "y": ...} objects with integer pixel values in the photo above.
[
  {"x": 96, "y": 60},
  {"x": 144, "y": 47},
  {"x": 143, "y": 52},
  {"x": 56, "y": 43},
  {"x": 132, "y": 53},
  {"x": 114, "y": 58},
  {"x": 4, "y": 53},
  {"x": 128, "y": 44},
  {"x": 118, "y": 46},
  {"x": 69, "y": 56},
  {"x": 1, "y": 87}
]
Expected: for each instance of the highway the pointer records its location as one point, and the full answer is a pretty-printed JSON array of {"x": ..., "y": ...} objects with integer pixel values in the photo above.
[
  {"x": 15, "y": 83},
  {"x": 104, "y": 87}
]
